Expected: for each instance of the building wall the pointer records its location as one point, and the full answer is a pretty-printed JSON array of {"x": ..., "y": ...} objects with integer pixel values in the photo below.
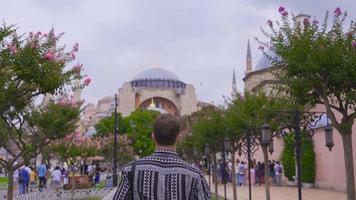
[
  {"x": 254, "y": 79},
  {"x": 188, "y": 101},
  {"x": 126, "y": 99}
]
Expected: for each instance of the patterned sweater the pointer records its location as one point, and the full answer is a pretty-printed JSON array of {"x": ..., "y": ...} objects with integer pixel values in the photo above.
[{"x": 163, "y": 176}]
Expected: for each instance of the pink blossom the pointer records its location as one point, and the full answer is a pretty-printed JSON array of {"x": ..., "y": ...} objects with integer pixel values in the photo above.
[
  {"x": 12, "y": 48},
  {"x": 49, "y": 55},
  {"x": 281, "y": 9},
  {"x": 242, "y": 98},
  {"x": 337, "y": 12},
  {"x": 261, "y": 48},
  {"x": 45, "y": 34},
  {"x": 285, "y": 13},
  {"x": 315, "y": 22},
  {"x": 75, "y": 47},
  {"x": 306, "y": 22},
  {"x": 77, "y": 67},
  {"x": 30, "y": 34},
  {"x": 72, "y": 56},
  {"x": 269, "y": 22},
  {"x": 354, "y": 44},
  {"x": 87, "y": 81},
  {"x": 350, "y": 34}
]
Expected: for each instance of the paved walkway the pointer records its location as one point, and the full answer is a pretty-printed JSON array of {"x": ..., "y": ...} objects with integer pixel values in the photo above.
[{"x": 280, "y": 193}]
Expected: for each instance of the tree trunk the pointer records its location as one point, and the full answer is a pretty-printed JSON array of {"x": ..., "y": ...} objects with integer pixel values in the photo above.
[
  {"x": 349, "y": 165},
  {"x": 265, "y": 160},
  {"x": 233, "y": 176},
  {"x": 215, "y": 176},
  {"x": 10, "y": 184}
]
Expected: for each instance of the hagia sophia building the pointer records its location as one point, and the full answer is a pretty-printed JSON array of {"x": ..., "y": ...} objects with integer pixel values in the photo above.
[{"x": 154, "y": 88}]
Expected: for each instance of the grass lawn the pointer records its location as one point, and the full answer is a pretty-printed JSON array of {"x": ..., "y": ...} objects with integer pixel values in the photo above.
[{"x": 3, "y": 180}]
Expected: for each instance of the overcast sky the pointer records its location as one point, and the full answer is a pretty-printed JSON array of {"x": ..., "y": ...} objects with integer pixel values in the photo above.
[{"x": 201, "y": 41}]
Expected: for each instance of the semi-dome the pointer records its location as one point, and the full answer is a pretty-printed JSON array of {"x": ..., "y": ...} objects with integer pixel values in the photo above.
[
  {"x": 264, "y": 62},
  {"x": 157, "y": 78}
]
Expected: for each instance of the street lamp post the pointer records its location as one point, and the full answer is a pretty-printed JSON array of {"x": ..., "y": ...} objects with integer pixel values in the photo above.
[
  {"x": 306, "y": 120},
  {"x": 207, "y": 154},
  {"x": 249, "y": 145},
  {"x": 225, "y": 149},
  {"x": 115, "y": 145}
]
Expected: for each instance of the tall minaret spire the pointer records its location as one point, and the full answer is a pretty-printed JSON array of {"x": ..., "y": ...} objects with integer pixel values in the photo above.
[
  {"x": 248, "y": 58},
  {"x": 234, "y": 88}
]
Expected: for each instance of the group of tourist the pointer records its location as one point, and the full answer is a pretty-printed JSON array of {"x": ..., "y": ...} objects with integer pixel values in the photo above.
[
  {"x": 257, "y": 172},
  {"x": 27, "y": 178}
]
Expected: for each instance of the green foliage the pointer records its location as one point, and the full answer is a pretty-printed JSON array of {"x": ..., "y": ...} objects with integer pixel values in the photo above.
[
  {"x": 209, "y": 128},
  {"x": 307, "y": 158},
  {"x": 250, "y": 112},
  {"x": 138, "y": 126},
  {"x": 140, "y": 130},
  {"x": 287, "y": 157},
  {"x": 106, "y": 126},
  {"x": 317, "y": 64}
]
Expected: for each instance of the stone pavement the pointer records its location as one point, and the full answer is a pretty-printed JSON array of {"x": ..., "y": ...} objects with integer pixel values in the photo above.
[{"x": 280, "y": 193}]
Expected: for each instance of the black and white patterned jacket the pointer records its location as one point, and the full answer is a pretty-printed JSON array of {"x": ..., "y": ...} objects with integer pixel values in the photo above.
[{"x": 163, "y": 176}]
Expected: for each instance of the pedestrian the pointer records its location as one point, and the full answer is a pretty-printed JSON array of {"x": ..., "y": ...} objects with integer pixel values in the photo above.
[
  {"x": 42, "y": 172},
  {"x": 56, "y": 178},
  {"x": 278, "y": 169},
  {"x": 97, "y": 174},
  {"x": 23, "y": 179},
  {"x": 241, "y": 173},
  {"x": 168, "y": 175},
  {"x": 237, "y": 171},
  {"x": 33, "y": 179},
  {"x": 252, "y": 173},
  {"x": 271, "y": 173}
]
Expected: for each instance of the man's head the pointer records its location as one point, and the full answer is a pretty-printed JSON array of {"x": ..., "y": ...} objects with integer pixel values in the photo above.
[{"x": 166, "y": 130}]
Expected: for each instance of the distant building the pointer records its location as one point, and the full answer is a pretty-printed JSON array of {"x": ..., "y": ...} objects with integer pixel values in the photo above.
[
  {"x": 153, "y": 89},
  {"x": 160, "y": 87}
]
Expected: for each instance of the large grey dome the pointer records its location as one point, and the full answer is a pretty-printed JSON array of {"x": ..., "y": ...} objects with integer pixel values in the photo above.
[
  {"x": 157, "y": 78},
  {"x": 264, "y": 63}
]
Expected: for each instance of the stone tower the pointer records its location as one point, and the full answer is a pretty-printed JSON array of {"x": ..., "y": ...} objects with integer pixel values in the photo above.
[
  {"x": 248, "y": 58},
  {"x": 234, "y": 88}
]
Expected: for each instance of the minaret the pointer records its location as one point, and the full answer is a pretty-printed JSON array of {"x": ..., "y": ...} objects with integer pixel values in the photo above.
[
  {"x": 77, "y": 88},
  {"x": 234, "y": 88},
  {"x": 248, "y": 58}
]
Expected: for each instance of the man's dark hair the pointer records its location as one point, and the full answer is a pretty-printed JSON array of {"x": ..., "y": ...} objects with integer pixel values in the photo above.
[{"x": 166, "y": 129}]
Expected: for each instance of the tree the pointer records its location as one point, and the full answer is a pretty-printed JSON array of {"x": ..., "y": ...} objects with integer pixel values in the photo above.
[
  {"x": 124, "y": 149},
  {"x": 32, "y": 66},
  {"x": 140, "y": 130},
  {"x": 106, "y": 126},
  {"x": 246, "y": 115},
  {"x": 209, "y": 128},
  {"x": 317, "y": 66},
  {"x": 138, "y": 126}
]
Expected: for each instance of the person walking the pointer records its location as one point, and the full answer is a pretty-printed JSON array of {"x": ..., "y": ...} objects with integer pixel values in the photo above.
[
  {"x": 278, "y": 170},
  {"x": 241, "y": 173},
  {"x": 164, "y": 174},
  {"x": 24, "y": 179},
  {"x": 56, "y": 178},
  {"x": 41, "y": 173},
  {"x": 33, "y": 179}
]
